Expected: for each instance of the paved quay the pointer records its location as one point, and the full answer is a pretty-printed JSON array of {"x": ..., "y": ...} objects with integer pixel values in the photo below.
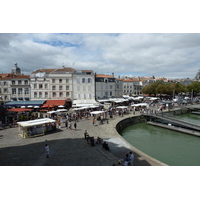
[{"x": 69, "y": 148}]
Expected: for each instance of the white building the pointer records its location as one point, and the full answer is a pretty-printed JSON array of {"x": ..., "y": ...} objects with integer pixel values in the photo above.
[
  {"x": 83, "y": 87},
  {"x": 51, "y": 84}
]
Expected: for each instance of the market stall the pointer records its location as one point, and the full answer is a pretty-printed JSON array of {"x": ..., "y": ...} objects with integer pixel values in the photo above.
[
  {"x": 98, "y": 114},
  {"x": 37, "y": 127}
]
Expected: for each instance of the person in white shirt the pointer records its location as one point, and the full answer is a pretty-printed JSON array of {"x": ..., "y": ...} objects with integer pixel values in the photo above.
[{"x": 131, "y": 156}]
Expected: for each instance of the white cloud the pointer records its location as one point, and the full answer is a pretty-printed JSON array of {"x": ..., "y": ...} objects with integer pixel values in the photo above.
[{"x": 169, "y": 55}]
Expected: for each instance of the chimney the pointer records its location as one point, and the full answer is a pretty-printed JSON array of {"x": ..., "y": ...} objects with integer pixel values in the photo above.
[{"x": 113, "y": 75}]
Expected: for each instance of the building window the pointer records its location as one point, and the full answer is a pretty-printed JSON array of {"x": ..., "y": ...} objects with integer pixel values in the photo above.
[
  {"x": 35, "y": 86},
  {"x": 40, "y": 94},
  {"x": 60, "y": 87},
  {"x": 4, "y": 83},
  {"x": 67, "y": 87},
  {"x": 35, "y": 94},
  {"x": 67, "y": 80},
  {"x": 53, "y": 81},
  {"x": 83, "y": 80},
  {"x": 53, "y": 87},
  {"x": 60, "y": 80},
  {"x": 67, "y": 94},
  {"x": 26, "y": 90},
  {"x": 45, "y": 86},
  {"x": 46, "y": 94},
  {"x": 110, "y": 86},
  {"x": 61, "y": 94},
  {"x": 13, "y": 90},
  {"x": 19, "y": 90},
  {"x": 19, "y": 82},
  {"x": 13, "y": 82},
  {"x": 89, "y": 80},
  {"x": 5, "y": 90},
  {"x": 5, "y": 97},
  {"x": 40, "y": 86},
  {"x": 26, "y": 82},
  {"x": 110, "y": 93},
  {"x": 54, "y": 94}
]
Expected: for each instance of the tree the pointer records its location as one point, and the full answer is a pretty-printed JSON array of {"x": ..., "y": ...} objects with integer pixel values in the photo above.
[{"x": 195, "y": 87}]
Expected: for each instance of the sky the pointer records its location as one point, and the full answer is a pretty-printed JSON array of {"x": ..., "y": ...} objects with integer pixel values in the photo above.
[{"x": 171, "y": 55}]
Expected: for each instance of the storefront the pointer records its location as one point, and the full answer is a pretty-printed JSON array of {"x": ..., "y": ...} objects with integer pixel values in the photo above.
[{"x": 38, "y": 127}]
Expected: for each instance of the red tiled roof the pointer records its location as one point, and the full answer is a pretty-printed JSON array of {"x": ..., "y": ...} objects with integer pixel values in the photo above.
[
  {"x": 20, "y": 76},
  {"x": 52, "y": 103},
  {"x": 104, "y": 76}
]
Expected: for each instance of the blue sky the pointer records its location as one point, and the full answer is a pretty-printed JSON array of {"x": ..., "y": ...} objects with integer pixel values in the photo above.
[{"x": 131, "y": 54}]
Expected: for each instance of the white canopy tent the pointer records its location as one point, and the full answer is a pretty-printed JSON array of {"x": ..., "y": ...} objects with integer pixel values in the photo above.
[
  {"x": 97, "y": 112},
  {"x": 50, "y": 112},
  {"x": 140, "y": 104},
  {"x": 61, "y": 106},
  {"x": 122, "y": 107},
  {"x": 62, "y": 110},
  {"x": 33, "y": 128}
]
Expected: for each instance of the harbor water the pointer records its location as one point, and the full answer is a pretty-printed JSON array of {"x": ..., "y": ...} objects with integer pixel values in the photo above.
[{"x": 171, "y": 147}]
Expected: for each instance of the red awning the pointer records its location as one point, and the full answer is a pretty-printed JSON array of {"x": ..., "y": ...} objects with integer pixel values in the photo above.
[
  {"x": 19, "y": 109},
  {"x": 53, "y": 103}
]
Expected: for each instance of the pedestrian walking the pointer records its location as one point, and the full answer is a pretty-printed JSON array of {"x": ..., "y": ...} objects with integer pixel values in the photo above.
[
  {"x": 86, "y": 134},
  {"x": 131, "y": 156},
  {"x": 127, "y": 160},
  {"x": 47, "y": 151},
  {"x": 75, "y": 125},
  {"x": 59, "y": 123},
  {"x": 93, "y": 121}
]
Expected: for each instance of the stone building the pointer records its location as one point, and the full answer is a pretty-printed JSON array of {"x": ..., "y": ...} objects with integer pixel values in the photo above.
[
  {"x": 83, "y": 87},
  {"x": 14, "y": 86},
  {"x": 197, "y": 77},
  {"x": 105, "y": 86},
  {"x": 51, "y": 84}
]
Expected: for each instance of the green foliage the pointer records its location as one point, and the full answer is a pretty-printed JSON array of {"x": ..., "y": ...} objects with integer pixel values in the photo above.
[
  {"x": 160, "y": 88},
  {"x": 195, "y": 86}
]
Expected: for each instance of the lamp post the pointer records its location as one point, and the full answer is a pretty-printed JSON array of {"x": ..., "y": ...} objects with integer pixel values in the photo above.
[
  {"x": 192, "y": 95},
  {"x": 173, "y": 93}
]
